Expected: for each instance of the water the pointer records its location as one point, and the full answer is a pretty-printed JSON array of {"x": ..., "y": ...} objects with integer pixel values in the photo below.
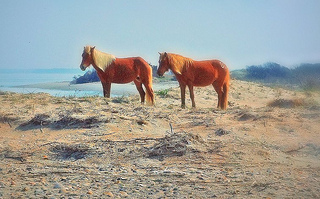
[
  {"x": 10, "y": 77},
  {"x": 56, "y": 82},
  {"x": 30, "y": 80}
]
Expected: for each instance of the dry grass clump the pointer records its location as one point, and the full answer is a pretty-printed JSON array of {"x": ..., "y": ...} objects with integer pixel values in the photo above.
[
  {"x": 174, "y": 145},
  {"x": 245, "y": 116},
  {"x": 221, "y": 132},
  {"x": 178, "y": 144},
  {"x": 287, "y": 103},
  {"x": 121, "y": 100},
  {"x": 73, "y": 152},
  {"x": 65, "y": 121},
  {"x": 15, "y": 155},
  {"x": 6, "y": 118},
  {"x": 39, "y": 119},
  {"x": 69, "y": 121}
]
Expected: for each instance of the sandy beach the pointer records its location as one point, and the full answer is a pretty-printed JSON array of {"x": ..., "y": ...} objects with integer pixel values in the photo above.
[{"x": 265, "y": 145}]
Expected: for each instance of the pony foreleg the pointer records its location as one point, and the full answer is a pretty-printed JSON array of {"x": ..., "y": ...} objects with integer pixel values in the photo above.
[
  {"x": 106, "y": 89},
  {"x": 183, "y": 95},
  {"x": 192, "y": 95}
]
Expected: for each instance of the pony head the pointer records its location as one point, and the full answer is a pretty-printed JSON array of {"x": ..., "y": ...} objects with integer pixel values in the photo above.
[
  {"x": 174, "y": 62},
  {"x": 87, "y": 57},
  {"x": 163, "y": 64}
]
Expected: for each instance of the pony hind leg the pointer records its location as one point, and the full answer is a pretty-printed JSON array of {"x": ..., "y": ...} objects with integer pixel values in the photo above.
[
  {"x": 140, "y": 90},
  {"x": 183, "y": 95},
  {"x": 192, "y": 96},
  {"x": 219, "y": 91}
]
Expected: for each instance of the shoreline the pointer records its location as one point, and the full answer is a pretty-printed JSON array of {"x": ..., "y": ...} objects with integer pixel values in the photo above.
[{"x": 65, "y": 88}]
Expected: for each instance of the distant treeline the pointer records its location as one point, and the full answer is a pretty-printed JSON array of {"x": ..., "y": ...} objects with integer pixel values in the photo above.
[{"x": 305, "y": 75}]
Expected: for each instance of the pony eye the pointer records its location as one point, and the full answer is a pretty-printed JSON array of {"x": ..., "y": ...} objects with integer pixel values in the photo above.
[{"x": 84, "y": 55}]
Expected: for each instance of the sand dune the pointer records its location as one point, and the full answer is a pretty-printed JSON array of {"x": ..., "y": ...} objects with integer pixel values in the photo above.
[{"x": 266, "y": 145}]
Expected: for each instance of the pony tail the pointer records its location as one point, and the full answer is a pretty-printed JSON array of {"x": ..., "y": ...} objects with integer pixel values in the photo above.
[
  {"x": 149, "y": 91},
  {"x": 226, "y": 85},
  {"x": 150, "y": 100}
]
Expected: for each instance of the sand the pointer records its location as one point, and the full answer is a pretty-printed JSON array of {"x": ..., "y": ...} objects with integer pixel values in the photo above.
[{"x": 266, "y": 145}]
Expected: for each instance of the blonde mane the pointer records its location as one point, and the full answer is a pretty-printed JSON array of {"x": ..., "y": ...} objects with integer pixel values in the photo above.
[
  {"x": 179, "y": 63},
  {"x": 102, "y": 60}
]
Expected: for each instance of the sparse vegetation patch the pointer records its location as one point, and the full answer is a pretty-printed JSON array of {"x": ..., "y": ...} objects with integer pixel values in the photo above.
[
  {"x": 287, "y": 103},
  {"x": 37, "y": 120},
  {"x": 163, "y": 93},
  {"x": 70, "y": 152},
  {"x": 178, "y": 144}
]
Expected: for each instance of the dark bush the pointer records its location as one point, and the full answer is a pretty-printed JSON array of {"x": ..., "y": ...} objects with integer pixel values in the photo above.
[
  {"x": 267, "y": 71},
  {"x": 89, "y": 76}
]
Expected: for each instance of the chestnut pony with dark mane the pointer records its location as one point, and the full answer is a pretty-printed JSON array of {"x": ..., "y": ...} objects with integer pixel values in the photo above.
[
  {"x": 197, "y": 73},
  {"x": 120, "y": 70}
]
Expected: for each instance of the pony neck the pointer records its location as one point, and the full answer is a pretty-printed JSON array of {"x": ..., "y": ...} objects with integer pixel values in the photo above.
[
  {"x": 101, "y": 60},
  {"x": 178, "y": 63}
]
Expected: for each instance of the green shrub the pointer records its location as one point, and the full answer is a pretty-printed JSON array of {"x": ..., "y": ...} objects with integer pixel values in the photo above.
[{"x": 163, "y": 93}]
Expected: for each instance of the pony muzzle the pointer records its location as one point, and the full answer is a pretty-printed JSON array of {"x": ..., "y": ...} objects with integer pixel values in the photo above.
[
  {"x": 82, "y": 67},
  {"x": 159, "y": 74}
]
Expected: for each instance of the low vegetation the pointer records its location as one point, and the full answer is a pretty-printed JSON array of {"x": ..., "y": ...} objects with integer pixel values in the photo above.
[
  {"x": 287, "y": 103},
  {"x": 162, "y": 93},
  {"x": 305, "y": 76}
]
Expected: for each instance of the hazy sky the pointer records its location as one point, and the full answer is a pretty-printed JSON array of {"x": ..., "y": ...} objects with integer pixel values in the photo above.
[{"x": 51, "y": 34}]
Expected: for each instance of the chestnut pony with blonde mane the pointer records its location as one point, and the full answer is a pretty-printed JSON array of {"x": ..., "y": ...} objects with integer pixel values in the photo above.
[
  {"x": 120, "y": 70},
  {"x": 197, "y": 73}
]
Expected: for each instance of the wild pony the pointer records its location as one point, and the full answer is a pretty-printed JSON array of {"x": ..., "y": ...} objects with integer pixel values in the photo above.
[
  {"x": 197, "y": 73},
  {"x": 119, "y": 70}
]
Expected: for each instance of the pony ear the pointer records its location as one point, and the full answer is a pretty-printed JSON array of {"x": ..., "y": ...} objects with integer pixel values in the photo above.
[{"x": 92, "y": 48}]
